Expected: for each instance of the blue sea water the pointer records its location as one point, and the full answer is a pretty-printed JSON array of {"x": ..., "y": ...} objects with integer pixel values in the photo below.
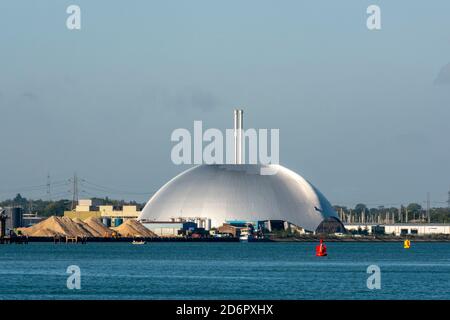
[{"x": 224, "y": 271}]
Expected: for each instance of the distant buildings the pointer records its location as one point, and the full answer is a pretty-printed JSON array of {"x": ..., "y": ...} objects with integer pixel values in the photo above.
[
  {"x": 398, "y": 229},
  {"x": 14, "y": 217},
  {"x": 110, "y": 215},
  {"x": 30, "y": 219},
  {"x": 170, "y": 228},
  {"x": 229, "y": 229}
]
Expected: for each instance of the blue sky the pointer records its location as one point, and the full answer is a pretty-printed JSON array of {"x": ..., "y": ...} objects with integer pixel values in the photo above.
[{"x": 362, "y": 114}]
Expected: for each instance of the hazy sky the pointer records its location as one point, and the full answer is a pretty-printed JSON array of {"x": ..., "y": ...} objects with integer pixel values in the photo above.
[{"x": 363, "y": 115}]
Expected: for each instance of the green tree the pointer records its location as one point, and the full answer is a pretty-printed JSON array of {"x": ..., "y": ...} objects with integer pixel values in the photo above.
[
  {"x": 360, "y": 207},
  {"x": 414, "y": 208},
  {"x": 19, "y": 200}
]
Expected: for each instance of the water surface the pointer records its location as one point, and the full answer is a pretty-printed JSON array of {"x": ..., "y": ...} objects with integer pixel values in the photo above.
[{"x": 224, "y": 271}]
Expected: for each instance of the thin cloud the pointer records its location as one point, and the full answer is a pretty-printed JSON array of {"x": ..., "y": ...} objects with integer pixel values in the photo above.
[
  {"x": 204, "y": 101},
  {"x": 186, "y": 100},
  {"x": 444, "y": 75},
  {"x": 30, "y": 96}
]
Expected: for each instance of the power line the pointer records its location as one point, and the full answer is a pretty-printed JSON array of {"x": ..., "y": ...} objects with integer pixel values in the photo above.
[
  {"x": 49, "y": 197},
  {"x": 112, "y": 190},
  {"x": 33, "y": 188},
  {"x": 74, "y": 191},
  {"x": 448, "y": 200}
]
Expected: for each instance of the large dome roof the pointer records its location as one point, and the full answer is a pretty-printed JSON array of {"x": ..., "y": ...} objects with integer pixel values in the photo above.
[{"x": 239, "y": 192}]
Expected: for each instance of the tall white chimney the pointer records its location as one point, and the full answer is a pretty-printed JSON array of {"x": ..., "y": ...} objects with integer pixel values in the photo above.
[{"x": 238, "y": 128}]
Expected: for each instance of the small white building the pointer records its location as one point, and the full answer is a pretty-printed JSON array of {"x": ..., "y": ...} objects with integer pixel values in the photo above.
[{"x": 401, "y": 228}]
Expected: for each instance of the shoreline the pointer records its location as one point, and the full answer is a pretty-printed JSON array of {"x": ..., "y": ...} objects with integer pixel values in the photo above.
[
  {"x": 62, "y": 240},
  {"x": 360, "y": 240}
]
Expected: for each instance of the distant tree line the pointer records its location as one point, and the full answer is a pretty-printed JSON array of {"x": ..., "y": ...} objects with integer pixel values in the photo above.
[
  {"x": 412, "y": 213},
  {"x": 48, "y": 208}
]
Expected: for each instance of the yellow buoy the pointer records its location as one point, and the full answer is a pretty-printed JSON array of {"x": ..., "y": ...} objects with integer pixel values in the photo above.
[{"x": 407, "y": 244}]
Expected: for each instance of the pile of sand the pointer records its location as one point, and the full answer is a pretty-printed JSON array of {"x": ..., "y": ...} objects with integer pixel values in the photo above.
[
  {"x": 55, "y": 226},
  {"x": 66, "y": 227},
  {"x": 97, "y": 228},
  {"x": 133, "y": 228},
  {"x": 91, "y": 228}
]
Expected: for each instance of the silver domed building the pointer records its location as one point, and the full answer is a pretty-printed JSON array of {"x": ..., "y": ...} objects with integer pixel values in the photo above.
[{"x": 240, "y": 192}]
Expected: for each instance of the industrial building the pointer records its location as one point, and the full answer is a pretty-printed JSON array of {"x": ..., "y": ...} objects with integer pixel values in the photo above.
[
  {"x": 170, "y": 228},
  {"x": 110, "y": 215},
  {"x": 231, "y": 230},
  {"x": 239, "y": 192},
  {"x": 30, "y": 219},
  {"x": 2, "y": 223},
  {"x": 236, "y": 228},
  {"x": 223, "y": 192},
  {"x": 398, "y": 229},
  {"x": 14, "y": 217}
]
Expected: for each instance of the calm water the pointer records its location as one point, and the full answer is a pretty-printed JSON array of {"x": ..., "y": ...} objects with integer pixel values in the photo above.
[{"x": 224, "y": 271}]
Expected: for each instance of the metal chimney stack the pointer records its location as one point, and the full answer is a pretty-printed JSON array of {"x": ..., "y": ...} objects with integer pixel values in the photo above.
[{"x": 238, "y": 128}]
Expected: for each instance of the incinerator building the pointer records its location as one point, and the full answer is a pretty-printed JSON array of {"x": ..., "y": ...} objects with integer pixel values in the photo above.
[{"x": 240, "y": 192}]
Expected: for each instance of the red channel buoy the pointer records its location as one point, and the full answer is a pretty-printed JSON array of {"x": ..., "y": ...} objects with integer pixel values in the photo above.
[{"x": 321, "y": 249}]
